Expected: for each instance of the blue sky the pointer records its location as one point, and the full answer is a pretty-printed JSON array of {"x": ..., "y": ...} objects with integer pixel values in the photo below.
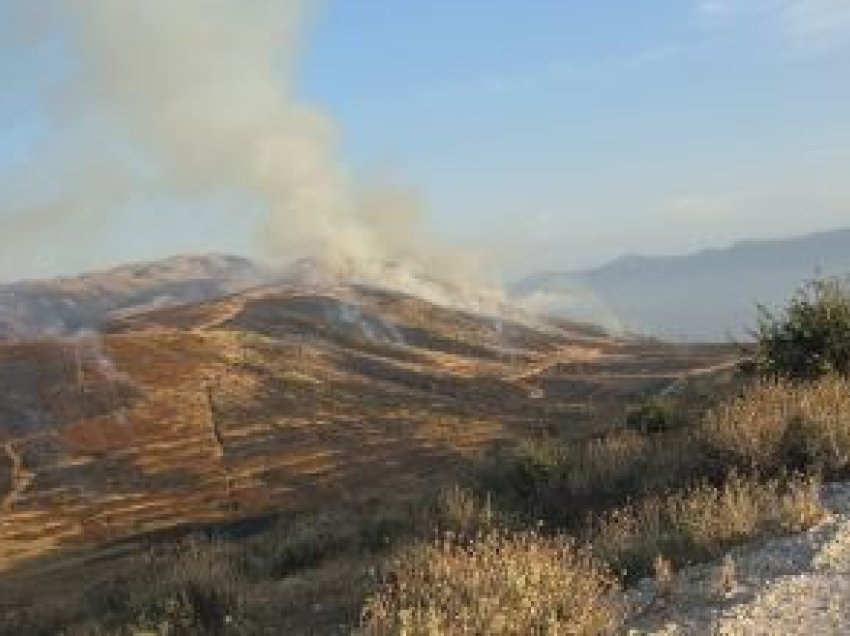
[
  {"x": 571, "y": 131},
  {"x": 554, "y": 133}
]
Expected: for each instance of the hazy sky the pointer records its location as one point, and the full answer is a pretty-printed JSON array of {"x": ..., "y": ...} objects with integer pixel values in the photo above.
[{"x": 543, "y": 132}]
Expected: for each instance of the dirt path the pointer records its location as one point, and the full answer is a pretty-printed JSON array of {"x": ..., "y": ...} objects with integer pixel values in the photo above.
[
  {"x": 225, "y": 311},
  {"x": 562, "y": 355},
  {"x": 794, "y": 585},
  {"x": 682, "y": 380},
  {"x": 21, "y": 478}
]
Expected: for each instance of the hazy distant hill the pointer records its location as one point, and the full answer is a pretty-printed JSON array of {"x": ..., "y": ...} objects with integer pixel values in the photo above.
[
  {"x": 66, "y": 305},
  {"x": 708, "y": 294}
]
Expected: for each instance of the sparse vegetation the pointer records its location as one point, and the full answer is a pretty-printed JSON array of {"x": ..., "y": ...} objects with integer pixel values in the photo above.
[
  {"x": 662, "y": 574},
  {"x": 191, "y": 587},
  {"x": 536, "y": 479},
  {"x": 460, "y": 511},
  {"x": 637, "y": 503},
  {"x": 702, "y": 521},
  {"x": 653, "y": 416},
  {"x": 725, "y": 578},
  {"x": 779, "y": 423},
  {"x": 215, "y": 584},
  {"x": 539, "y": 538},
  {"x": 499, "y": 584}
]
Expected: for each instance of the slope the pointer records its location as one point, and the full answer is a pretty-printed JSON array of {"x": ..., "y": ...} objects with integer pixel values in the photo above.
[{"x": 286, "y": 397}]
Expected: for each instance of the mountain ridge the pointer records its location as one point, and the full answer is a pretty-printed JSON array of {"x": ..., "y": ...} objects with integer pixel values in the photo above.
[
  {"x": 710, "y": 294},
  {"x": 70, "y": 304}
]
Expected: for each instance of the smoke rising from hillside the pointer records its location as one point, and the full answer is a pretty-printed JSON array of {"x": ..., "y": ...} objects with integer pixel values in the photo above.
[
  {"x": 203, "y": 92},
  {"x": 194, "y": 101}
]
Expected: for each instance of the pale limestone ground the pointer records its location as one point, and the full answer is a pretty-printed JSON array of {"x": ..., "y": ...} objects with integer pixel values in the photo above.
[{"x": 793, "y": 585}]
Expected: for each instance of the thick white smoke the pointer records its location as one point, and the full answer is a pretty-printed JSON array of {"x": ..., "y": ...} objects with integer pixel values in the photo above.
[
  {"x": 203, "y": 93},
  {"x": 195, "y": 101}
]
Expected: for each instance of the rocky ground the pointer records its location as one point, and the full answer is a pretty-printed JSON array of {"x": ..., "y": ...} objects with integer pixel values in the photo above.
[{"x": 793, "y": 585}]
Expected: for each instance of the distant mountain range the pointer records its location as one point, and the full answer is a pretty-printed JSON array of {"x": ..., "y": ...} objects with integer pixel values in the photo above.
[
  {"x": 706, "y": 295},
  {"x": 709, "y": 295}
]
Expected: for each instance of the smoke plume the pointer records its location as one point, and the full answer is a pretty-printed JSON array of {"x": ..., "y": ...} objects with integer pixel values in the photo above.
[
  {"x": 195, "y": 101},
  {"x": 203, "y": 91}
]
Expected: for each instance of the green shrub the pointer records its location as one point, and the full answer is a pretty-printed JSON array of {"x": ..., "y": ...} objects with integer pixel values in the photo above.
[
  {"x": 195, "y": 589},
  {"x": 653, "y": 416},
  {"x": 306, "y": 542},
  {"x": 559, "y": 482},
  {"x": 42, "y": 620},
  {"x": 811, "y": 337}
]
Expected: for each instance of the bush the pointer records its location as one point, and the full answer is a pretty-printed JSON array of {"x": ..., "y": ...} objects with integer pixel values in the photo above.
[
  {"x": 703, "y": 521},
  {"x": 499, "y": 584},
  {"x": 653, "y": 416},
  {"x": 305, "y": 542},
  {"x": 462, "y": 512},
  {"x": 195, "y": 589},
  {"x": 811, "y": 337},
  {"x": 560, "y": 482},
  {"x": 778, "y": 424}
]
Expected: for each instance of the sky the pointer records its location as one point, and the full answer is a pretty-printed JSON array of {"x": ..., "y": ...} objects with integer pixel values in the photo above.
[{"x": 539, "y": 134}]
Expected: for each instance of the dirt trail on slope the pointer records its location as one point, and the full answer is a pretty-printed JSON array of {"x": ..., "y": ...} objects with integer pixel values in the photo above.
[
  {"x": 561, "y": 356},
  {"x": 792, "y": 586},
  {"x": 682, "y": 380},
  {"x": 21, "y": 478}
]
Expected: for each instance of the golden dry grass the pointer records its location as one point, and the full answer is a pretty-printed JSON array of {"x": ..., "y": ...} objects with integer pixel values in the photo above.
[
  {"x": 497, "y": 585},
  {"x": 703, "y": 521},
  {"x": 778, "y": 422}
]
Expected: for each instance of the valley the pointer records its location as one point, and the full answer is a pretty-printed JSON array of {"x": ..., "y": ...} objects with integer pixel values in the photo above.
[{"x": 286, "y": 398}]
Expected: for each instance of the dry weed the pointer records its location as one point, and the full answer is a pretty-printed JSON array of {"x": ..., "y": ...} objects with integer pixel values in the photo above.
[
  {"x": 778, "y": 422},
  {"x": 498, "y": 584},
  {"x": 703, "y": 521},
  {"x": 724, "y": 580},
  {"x": 663, "y": 577}
]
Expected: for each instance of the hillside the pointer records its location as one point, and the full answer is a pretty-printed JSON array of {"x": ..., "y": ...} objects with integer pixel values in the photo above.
[
  {"x": 65, "y": 306},
  {"x": 286, "y": 397},
  {"x": 706, "y": 295}
]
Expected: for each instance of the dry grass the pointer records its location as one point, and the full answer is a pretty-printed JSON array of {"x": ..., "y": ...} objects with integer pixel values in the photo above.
[
  {"x": 662, "y": 574},
  {"x": 496, "y": 585},
  {"x": 460, "y": 511},
  {"x": 777, "y": 423},
  {"x": 298, "y": 573},
  {"x": 654, "y": 503},
  {"x": 645, "y": 503},
  {"x": 560, "y": 482},
  {"x": 724, "y": 580},
  {"x": 772, "y": 427},
  {"x": 703, "y": 521},
  {"x": 191, "y": 587}
]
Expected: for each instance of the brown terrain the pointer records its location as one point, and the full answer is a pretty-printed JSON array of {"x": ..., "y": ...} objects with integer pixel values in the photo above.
[
  {"x": 72, "y": 304},
  {"x": 283, "y": 397}
]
